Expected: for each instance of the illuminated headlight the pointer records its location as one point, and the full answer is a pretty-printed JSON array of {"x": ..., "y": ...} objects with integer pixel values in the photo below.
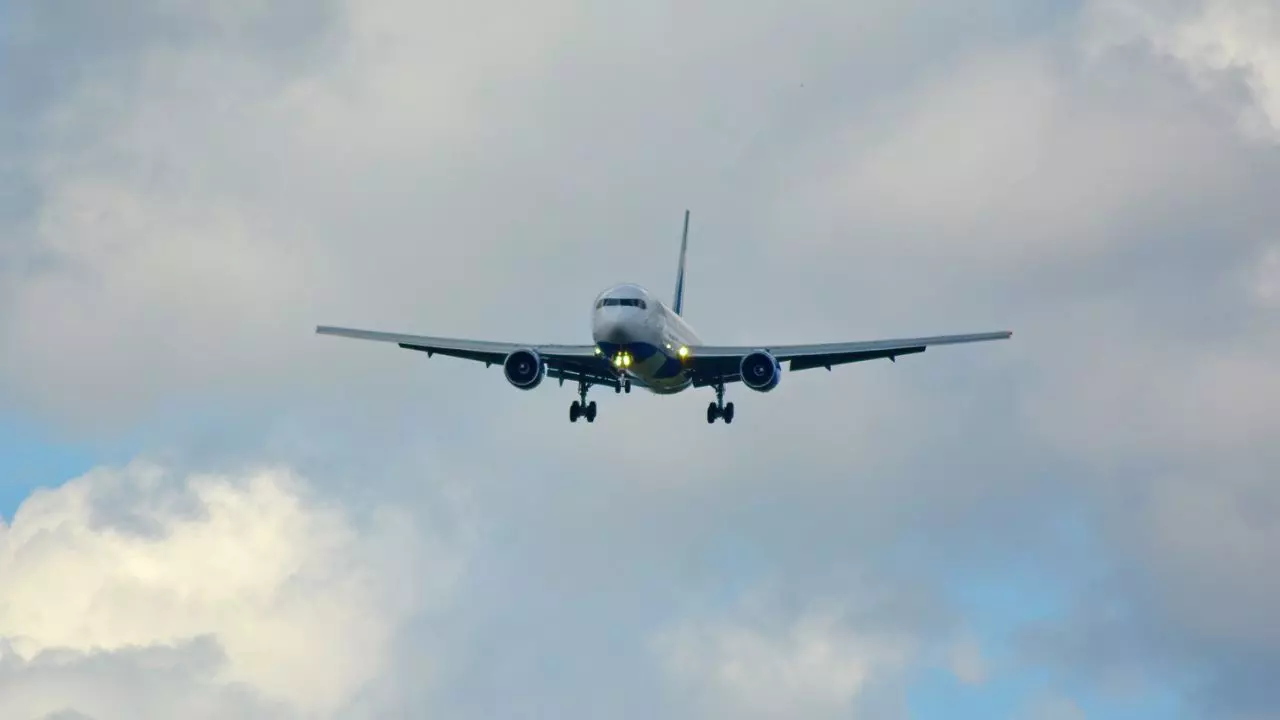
[
  {"x": 626, "y": 360},
  {"x": 684, "y": 351}
]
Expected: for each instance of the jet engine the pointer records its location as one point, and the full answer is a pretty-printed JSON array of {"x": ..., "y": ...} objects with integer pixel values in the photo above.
[
  {"x": 760, "y": 371},
  {"x": 524, "y": 369}
]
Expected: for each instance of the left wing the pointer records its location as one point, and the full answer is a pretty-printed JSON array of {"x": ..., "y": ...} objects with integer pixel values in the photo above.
[
  {"x": 713, "y": 364},
  {"x": 564, "y": 362}
]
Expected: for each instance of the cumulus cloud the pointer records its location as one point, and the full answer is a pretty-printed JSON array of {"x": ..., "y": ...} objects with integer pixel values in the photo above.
[{"x": 242, "y": 589}]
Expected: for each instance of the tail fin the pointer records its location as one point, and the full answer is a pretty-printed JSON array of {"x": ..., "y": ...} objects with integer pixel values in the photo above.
[{"x": 677, "y": 305}]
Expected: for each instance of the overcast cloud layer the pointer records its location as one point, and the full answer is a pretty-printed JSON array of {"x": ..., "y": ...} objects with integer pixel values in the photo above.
[{"x": 324, "y": 528}]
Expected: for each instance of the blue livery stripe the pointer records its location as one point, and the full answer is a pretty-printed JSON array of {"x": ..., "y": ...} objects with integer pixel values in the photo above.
[{"x": 671, "y": 366}]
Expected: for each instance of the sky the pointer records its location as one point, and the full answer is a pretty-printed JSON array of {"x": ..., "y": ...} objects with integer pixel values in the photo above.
[{"x": 208, "y": 511}]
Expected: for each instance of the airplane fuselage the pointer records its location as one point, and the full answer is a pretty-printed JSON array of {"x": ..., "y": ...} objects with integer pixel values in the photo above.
[{"x": 643, "y": 338}]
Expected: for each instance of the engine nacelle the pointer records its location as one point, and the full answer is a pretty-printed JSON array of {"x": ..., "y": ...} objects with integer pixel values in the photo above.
[
  {"x": 760, "y": 371},
  {"x": 524, "y": 369}
]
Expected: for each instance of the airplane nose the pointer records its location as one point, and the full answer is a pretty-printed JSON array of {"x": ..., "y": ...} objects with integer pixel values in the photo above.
[{"x": 611, "y": 330}]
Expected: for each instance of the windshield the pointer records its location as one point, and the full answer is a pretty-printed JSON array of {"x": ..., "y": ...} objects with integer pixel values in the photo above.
[{"x": 625, "y": 302}]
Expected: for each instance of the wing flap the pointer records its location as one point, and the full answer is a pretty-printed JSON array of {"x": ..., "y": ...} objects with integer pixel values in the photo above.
[
  {"x": 484, "y": 356},
  {"x": 827, "y": 360}
]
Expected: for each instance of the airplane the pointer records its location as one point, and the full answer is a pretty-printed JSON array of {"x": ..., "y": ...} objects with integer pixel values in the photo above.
[{"x": 641, "y": 341}]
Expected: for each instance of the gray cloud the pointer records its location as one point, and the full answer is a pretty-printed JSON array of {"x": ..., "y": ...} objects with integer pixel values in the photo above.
[{"x": 202, "y": 187}]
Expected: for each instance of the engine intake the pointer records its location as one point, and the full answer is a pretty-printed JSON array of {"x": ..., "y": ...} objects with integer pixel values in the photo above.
[
  {"x": 524, "y": 369},
  {"x": 760, "y": 371}
]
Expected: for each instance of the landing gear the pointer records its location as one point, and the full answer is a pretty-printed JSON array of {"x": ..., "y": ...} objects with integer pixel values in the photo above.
[
  {"x": 719, "y": 409},
  {"x": 582, "y": 408},
  {"x": 579, "y": 410}
]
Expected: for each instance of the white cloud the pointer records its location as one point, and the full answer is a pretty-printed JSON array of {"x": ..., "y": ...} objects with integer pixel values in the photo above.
[
  {"x": 816, "y": 664},
  {"x": 302, "y": 604}
]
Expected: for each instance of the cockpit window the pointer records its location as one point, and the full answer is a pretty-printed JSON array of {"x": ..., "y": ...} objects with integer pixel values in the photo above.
[{"x": 625, "y": 302}]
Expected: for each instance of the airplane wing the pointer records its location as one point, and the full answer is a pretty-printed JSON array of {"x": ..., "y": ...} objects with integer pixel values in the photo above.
[
  {"x": 713, "y": 364},
  {"x": 564, "y": 362}
]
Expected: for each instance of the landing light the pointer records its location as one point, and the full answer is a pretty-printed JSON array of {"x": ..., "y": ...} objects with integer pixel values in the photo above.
[
  {"x": 626, "y": 360},
  {"x": 598, "y": 350},
  {"x": 684, "y": 351}
]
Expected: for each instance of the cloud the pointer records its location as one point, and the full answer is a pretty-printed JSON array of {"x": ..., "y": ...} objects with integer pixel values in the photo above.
[
  {"x": 1212, "y": 38},
  {"x": 814, "y": 665},
  {"x": 763, "y": 657},
  {"x": 196, "y": 188},
  {"x": 152, "y": 682},
  {"x": 1266, "y": 277},
  {"x": 200, "y": 203},
  {"x": 242, "y": 588}
]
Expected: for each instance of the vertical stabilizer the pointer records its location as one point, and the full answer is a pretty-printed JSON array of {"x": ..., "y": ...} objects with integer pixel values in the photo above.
[{"x": 677, "y": 305}]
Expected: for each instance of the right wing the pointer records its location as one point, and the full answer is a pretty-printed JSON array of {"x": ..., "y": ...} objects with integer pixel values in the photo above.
[
  {"x": 564, "y": 362},
  {"x": 714, "y": 364}
]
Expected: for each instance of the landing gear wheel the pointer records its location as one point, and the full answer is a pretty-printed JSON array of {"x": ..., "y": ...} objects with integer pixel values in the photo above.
[
  {"x": 627, "y": 386},
  {"x": 719, "y": 409},
  {"x": 575, "y": 410},
  {"x": 590, "y": 412}
]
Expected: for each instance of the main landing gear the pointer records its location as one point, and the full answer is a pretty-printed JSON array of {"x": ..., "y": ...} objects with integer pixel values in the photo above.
[
  {"x": 582, "y": 408},
  {"x": 719, "y": 409}
]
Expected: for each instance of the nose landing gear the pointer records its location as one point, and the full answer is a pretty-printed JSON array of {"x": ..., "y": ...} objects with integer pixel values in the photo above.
[{"x": 719, "y": 409}]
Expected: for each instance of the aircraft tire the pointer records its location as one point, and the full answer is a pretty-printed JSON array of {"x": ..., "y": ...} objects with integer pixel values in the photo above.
[
  {"x": 574, "y": 411},
  {"x": 712, "y": 413},
  {"x": 728, "y": 413},
  {"x": 591, "y": 412}
]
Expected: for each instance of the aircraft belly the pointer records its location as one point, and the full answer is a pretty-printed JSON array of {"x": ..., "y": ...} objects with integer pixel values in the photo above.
[{"x": 661, "y": 374}]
